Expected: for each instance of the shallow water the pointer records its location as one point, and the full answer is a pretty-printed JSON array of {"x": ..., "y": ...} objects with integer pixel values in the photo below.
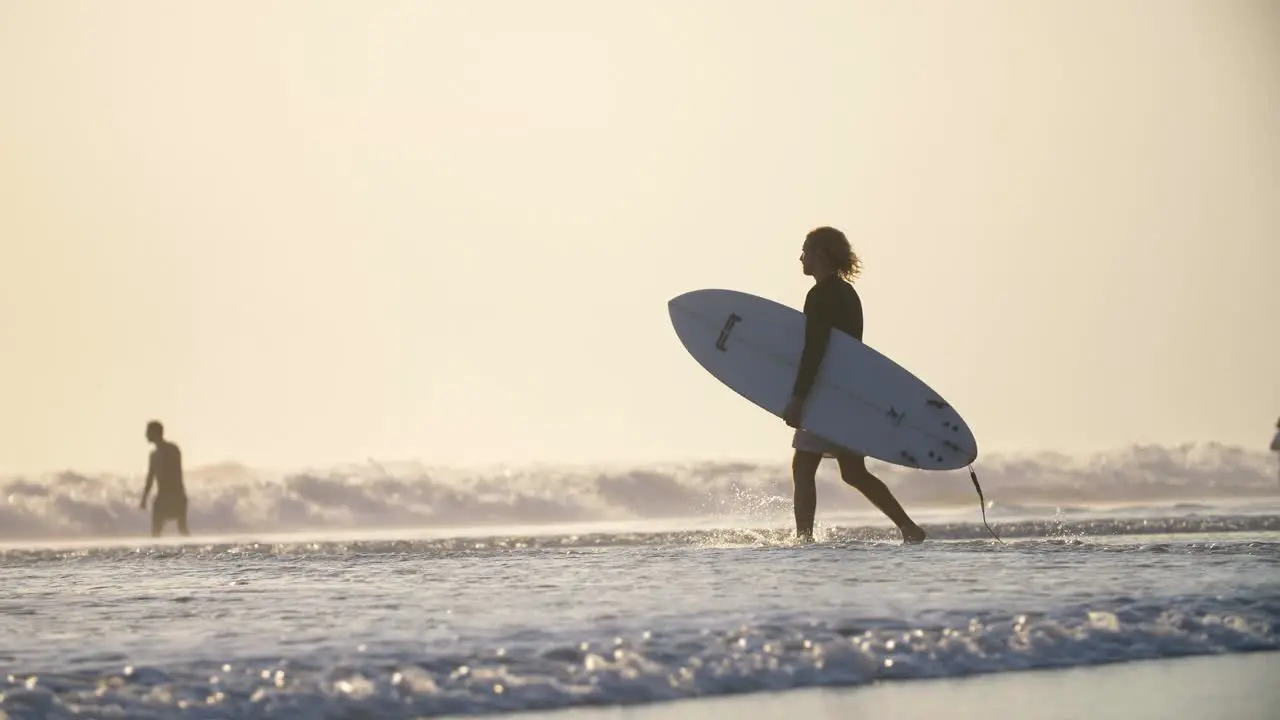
[{"x": 477, "y": 622}]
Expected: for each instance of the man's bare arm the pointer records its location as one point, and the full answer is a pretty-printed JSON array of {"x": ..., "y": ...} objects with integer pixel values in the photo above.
[{"x": 151, "y": 476}]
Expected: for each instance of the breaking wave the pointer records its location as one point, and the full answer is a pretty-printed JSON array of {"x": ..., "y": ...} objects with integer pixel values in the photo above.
[{"x": 231, "y": 499}]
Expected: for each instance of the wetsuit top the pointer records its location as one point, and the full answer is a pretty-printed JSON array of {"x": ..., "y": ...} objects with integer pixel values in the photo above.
[
  {"x": 166, "y": 467},
  {"x": 831, "y": 303}
]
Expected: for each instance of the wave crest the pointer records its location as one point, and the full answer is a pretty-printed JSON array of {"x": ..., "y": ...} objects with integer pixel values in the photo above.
[{"x": 230, "y": 498}]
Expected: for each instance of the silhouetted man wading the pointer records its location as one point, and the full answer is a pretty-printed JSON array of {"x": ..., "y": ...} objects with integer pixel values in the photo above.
[{"x": 166, "y": 470}]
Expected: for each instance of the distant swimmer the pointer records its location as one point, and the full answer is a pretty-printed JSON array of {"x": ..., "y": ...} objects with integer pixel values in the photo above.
[
  {"x": 1275, "y": 446},
  {"x": 166, "y": 470},
  {"x": 832, "y": 303}
]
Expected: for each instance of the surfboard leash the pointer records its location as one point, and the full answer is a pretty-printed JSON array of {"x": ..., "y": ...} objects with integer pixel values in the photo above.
[{"x": 982, "y": 504}]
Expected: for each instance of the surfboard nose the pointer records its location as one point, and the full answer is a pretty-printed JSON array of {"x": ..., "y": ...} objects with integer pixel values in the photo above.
[
  {"x": 683, "y": 298},
  {"x": 673, "y": 306},
  {"x": 684, "y": 301},
  {"x": 678, "y": 310}
]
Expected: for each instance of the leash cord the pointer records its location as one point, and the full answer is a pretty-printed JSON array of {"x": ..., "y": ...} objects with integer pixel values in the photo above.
[{"x": 982, "y": 504}]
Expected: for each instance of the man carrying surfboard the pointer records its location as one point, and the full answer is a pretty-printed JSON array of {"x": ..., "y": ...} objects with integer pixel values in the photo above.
[{"x": 832, "y": 303}]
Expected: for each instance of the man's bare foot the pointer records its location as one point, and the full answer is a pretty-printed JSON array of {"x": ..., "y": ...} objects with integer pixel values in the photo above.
[{"x": 912, "y": 535}]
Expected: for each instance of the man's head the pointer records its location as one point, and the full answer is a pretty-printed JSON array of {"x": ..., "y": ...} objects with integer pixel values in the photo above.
[
  {"x": 826, "y": 250},
  {"x": 155, "y": 431}
]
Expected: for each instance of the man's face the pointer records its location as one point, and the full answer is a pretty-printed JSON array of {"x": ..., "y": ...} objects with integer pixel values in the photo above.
[{"x": 810, "y": 259}]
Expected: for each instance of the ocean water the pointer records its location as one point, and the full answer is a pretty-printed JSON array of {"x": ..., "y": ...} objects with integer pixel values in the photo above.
[{"x": 362, "y": 614}]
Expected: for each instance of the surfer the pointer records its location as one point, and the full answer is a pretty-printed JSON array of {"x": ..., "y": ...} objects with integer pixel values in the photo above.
[
  {"x": 831, "y": 303},
  {"x": 1275, "y": 445},
  {"x": 165, "y": 469}
]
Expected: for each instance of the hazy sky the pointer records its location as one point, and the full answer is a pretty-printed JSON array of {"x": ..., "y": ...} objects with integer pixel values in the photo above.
[{"x": 307, "y": 232}]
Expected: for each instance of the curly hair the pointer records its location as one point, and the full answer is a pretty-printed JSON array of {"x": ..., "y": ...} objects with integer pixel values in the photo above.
[{"x": 836, "y": 248}]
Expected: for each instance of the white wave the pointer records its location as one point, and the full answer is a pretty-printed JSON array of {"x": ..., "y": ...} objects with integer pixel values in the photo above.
[
  {"x": 229, "y": 498},
  {"x": 541, "y": 672}
]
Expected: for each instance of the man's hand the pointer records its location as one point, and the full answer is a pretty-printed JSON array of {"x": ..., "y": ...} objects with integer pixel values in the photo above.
[
  {"x": 795, "y": 407},
  {"x": 143, "y": 504}
]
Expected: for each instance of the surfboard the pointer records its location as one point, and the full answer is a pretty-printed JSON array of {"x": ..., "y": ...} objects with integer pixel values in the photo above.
[{"x": 861, "y": 399}]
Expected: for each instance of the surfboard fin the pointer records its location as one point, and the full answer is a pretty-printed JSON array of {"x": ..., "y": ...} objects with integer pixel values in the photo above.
[{"x": 982, "y": 503}]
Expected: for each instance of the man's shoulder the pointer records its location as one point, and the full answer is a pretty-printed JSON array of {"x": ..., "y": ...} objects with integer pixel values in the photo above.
[
  {"x": 826, "y": 288},
  {"x": 835, "y": 288}
]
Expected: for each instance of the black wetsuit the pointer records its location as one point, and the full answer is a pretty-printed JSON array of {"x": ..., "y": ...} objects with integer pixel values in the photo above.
[{"x": 831, "y": 303}]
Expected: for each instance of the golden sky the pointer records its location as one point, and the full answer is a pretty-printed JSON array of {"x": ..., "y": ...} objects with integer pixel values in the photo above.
[{"x": 308, "y": 232}]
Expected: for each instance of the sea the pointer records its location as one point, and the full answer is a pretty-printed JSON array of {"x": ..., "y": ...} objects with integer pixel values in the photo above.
[{"x": 390, "y": 590}]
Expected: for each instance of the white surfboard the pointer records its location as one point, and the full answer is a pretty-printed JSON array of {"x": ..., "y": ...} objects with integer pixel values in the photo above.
[{"x": 860, "y": 399}]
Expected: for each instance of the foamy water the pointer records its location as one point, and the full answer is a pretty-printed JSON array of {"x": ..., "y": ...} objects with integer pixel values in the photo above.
[
  {"x": 272, "y": 619},
  {"x": 481, "y": 624}
]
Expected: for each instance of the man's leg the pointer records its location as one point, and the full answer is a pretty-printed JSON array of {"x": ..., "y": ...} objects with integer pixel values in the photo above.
[
  {"x": 853, "y": 470},
  {"x": 157, "y": 518},
  {"x": 804, "y": 471}
]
